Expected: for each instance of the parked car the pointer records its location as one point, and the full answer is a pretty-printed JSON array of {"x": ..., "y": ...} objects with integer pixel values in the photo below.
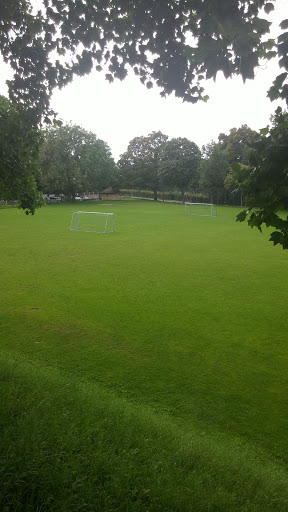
[
  {"x": 55, "y": 199},
  {"x": 78, "y": 198}
]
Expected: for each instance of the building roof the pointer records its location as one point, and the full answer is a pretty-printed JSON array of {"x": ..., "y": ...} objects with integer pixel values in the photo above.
[{"x": 109, "y": 190}]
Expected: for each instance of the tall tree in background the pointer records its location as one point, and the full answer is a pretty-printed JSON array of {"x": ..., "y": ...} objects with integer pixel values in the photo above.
[
  {"x": 19, "y": 162},
  {"x": 179, "y": 164},
  {"x": 73, "y": 160},
  {"x": 237, "y": 146},
  {"x": 238, "y": 143},
  {"x": 213, "y": 168},
  {"x": 140, "y": 164}
]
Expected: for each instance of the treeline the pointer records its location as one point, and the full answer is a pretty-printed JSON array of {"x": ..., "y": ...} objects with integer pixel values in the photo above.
[
  {"x": 181, "y": 170},
  {"x": 73, "y": 161},
  {"x": 69, "y": 160}
]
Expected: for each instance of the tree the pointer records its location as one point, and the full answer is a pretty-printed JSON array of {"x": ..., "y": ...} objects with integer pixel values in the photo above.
[
  {"x": 237, "y": 144},
  {"x": 141, "y": 161},
  {"x": 214, "y": 167},
  {"x": 74, "y": 160},
  {"x": 176, "y": 45},
  {"x": 19, "y": 164},
  {"x": 179, "y": 163},
  {"x": 266, "y": 186}
]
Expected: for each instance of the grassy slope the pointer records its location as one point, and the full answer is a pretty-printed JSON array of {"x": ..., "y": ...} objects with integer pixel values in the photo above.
[
  {"x": 185, "y": 315},
  {"x": 69, "y": 446}
]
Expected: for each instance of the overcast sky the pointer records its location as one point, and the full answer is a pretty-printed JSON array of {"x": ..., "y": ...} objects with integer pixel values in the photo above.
[{"x": 120, "y": 111}]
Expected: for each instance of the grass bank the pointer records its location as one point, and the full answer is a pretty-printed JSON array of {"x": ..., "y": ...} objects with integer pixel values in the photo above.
[{"x": 72, "y": 446}]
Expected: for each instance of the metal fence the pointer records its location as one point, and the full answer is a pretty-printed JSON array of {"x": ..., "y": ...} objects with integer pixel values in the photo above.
[{"x": 196, "y": 195}]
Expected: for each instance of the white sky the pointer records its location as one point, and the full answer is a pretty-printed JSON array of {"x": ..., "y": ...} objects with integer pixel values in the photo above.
[{"x": 120, "y": 111}]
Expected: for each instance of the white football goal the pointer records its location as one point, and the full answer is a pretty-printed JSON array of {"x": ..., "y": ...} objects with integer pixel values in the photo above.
[
  {"x": 92, "y": 222},
  {"x": 201, "y": 209}
]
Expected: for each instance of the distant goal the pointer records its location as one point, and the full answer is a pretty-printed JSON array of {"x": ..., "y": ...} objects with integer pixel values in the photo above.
[
  {"x": 201, "y": 209},
  {"x": 92, "y": 222}
]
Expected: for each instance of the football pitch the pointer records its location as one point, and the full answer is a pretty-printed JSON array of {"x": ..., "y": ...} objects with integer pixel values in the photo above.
[{"x": 177, "y": 319}]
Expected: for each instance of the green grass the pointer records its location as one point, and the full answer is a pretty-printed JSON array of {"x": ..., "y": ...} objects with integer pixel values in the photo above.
[{"x": 171, "y": 329}]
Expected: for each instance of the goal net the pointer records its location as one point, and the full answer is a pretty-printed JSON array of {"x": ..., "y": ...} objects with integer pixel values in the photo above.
[
  {"x": 201, "y": 209},
  {"x": 92, "y": 222}
]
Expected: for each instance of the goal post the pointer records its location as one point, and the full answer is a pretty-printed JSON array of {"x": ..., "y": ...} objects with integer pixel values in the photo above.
[
  {"x": 92, "y": 222},
  {"x": 201, "y": 209}
]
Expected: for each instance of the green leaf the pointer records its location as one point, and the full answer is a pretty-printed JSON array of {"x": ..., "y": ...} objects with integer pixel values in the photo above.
[
  {"x": 264, "y": 131},
  {"x": 284, "y": 25},
  {"x": 242, "y": 216},
  {"x": 283, "y": 38},
  {"x": 270, "y": 55},
  {"x": 268, "y": 7},
  {"x": 235, "y": 166},
  {"x": 276, "y": 237},
  {"x": 109, "y": 77}
]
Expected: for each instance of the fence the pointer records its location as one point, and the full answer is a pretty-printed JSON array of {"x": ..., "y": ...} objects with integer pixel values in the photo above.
[{"x": 196, "y": 195}]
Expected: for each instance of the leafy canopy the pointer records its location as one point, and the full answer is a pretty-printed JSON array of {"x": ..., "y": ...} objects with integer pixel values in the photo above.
[
  {"x": 237, "y": 144},
  {"x": 213, "y": 167},
  {"x": 74, "y": 160},
  {"x": 179, "y": 164},
  {"x": 266, "y": 186},
  {"x": 140, "y": 164},
  {"x": 19, "y": 164},
  {"x": 174, "y": 44}
]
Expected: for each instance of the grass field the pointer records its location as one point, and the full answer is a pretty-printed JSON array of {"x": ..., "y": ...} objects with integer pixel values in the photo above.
[{"x": 145, "y": 369}]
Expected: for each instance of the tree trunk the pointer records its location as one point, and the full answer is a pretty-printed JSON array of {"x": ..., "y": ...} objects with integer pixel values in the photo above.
[{"x": 155, "y": 195}]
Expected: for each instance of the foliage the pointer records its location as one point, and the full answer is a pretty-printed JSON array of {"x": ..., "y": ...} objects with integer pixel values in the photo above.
[
  {"x": 236, "y": 177},
  {"x": 176, "y": 45},
  {"x": 140, "y": 164},
  {"x": 74, "y": 160},
  {"x": 213, "y": 167},
  {"x": 266, "y": 188},
  {"x": 237, "y": 144},
  {"x": 179, "y": 163},
  {"x": 19, "y": 147}
]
